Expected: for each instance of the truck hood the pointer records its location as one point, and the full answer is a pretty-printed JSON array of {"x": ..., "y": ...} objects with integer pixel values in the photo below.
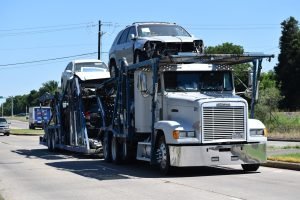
[
  {"x": 170, "y": 39},
  {"x": 84, "y": 76},
  {"x": 193, "y": 98}
]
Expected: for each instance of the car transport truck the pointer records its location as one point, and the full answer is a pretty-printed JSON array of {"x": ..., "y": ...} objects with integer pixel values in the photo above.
[{"x": 174, "y": 111}]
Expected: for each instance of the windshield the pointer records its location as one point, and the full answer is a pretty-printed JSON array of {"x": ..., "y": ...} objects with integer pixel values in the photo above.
[
  {"x": 151, "y": 30},
  {"x": 198, "y": 81},
  {"x": 2, "y": 120},
  {"x": 91, "y": 67}
]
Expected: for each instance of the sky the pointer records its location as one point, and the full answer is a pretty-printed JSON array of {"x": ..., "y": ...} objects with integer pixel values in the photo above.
[{"x": 35, "y": 30}]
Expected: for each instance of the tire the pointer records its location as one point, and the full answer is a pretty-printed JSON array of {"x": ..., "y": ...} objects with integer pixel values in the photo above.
[
  {"x": 49, "y": 143},
  {"x": 114, "y": 72},
  {"x": 116, "y": 154},
  {"x": 163, "y": 156},
  {"x": 31, "y": 126},
  {"x": 7, "y": 134},
  {"x": 250, "y": 167},
  {"x": 106, "y": 145}
]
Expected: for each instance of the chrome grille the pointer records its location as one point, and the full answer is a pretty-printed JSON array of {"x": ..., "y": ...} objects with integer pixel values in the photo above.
[{"x": 223, "y": 123}]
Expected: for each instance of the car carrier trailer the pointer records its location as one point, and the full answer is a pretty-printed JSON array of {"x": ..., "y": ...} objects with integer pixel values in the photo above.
[
  {"x": 74, "y": 124},
  {"x": 182, "y": 110},
  {"x": 173, "y": 111}
]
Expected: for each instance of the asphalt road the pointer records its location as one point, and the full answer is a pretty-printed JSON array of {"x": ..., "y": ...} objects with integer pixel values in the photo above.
[{"x": 29, "y": 172}]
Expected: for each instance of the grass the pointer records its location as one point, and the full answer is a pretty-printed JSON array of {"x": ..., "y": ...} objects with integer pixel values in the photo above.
[
  {"x": 22, "y": 119},
  {"x": 284, "y": 147},
  {"x": 292, "y": 157},
  {"x": 284, "y": 125},
  {"x": 26, "y": 131},
  {"x": 1, "y": 198}
]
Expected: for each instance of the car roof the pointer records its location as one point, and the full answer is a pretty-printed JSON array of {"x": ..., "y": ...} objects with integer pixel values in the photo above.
[
  {"x": 139, "y": 23},
  {"x": 86, "y": 61}
]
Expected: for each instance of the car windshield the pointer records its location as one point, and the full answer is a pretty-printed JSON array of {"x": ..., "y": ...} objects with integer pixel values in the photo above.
[
  {"x": 91, "y": 67},
  {"x": 2, "y": 120},
  {"x": 152, "y": 30},
  {"x": 198, "y": 81}
]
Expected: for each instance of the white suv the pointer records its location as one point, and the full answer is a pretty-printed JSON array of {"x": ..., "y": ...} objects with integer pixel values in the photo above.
[{"x": 86, "y": 70}]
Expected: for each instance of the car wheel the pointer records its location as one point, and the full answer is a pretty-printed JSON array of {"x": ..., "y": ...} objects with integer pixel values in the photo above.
[
  {"x": 7, "y": 134},
  {"x": 113, "y": 71},
  {"x": 250, "y": 167}
]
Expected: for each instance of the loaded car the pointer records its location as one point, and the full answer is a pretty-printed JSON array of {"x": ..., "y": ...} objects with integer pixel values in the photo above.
[
  {"x": 144, "y": 40},
  {"x": 4, "y": 126},
  {"x": 86, "y": 70}
]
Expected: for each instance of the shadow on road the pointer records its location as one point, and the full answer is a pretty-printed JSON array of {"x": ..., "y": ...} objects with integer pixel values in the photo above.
[
  {"x": 99, "y": 169},
  {"x": 42, "y": 154}
]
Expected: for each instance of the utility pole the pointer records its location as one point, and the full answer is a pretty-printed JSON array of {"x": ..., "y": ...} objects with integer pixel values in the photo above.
[
  {"x": 12, "y": 106},
  {"x": 99, "y": 40}
]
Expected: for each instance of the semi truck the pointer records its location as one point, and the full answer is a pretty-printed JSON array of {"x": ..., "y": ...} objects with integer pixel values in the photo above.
[
  {"x": 175, "y": 111},
  {"x": 181, "y": 111},
  {"x": 38, "y": 116}
]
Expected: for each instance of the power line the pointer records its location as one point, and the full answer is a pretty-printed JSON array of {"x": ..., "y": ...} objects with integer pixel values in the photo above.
[
  {"x": 48, "y": 29},
  {"x": 45, "y": 60},
  {"x": 45, "y": 27}
]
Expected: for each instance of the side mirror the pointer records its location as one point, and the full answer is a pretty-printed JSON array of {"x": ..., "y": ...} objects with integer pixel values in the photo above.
[
  {"x": 250, "y": 78},
  {"x": 142, "y": 83},
  {"x": 132, "y": 37}
]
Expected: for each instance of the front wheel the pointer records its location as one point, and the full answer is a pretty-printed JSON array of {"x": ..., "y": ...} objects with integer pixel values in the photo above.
[
  {"x": 163, "y": 156},
  {"x": 250, "y": 167},
  {"x": 7, "y": 134}
]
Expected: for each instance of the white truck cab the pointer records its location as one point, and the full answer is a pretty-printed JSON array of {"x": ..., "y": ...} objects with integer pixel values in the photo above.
[{"x": 200, "y": 117}]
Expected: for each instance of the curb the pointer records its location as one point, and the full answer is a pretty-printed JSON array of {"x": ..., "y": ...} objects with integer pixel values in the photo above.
[
  {"x": 284, "y": 139},
  {"x": 282, "y": 165},
  {"x": 25, "y": 134}
]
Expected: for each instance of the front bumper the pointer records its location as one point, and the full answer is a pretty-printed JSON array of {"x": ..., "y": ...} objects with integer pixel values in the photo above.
[
  {"x": 183, "y": 156},
  {"x": 4, "y": 130}
]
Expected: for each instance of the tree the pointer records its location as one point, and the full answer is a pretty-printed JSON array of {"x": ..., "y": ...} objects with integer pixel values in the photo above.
[
  {"x": 288, "y": 69},
  {"x": 241, "y": 70},
  {"x": 269, "y": 97},
  {"x": 50, "y": 86},
  {"x": 31, "y": 99}
]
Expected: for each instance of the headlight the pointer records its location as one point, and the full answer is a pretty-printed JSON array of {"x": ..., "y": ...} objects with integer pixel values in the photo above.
[
  {"x": 257, "y": 132},
  {"x": 183, "y": 134}
]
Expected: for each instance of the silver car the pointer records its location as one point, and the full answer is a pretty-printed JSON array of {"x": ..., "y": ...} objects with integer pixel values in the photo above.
[
  {"x": 4, "y": 126},
  {"x": 86, "y": 70},
  {"x": 144, "y": 40}
]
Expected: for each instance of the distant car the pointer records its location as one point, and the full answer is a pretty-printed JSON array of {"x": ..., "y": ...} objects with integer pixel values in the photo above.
[
  {"x": 86, "y": 70},
  {"x": 144, "y": 40},
  {"x": 4, "y": 126}
]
